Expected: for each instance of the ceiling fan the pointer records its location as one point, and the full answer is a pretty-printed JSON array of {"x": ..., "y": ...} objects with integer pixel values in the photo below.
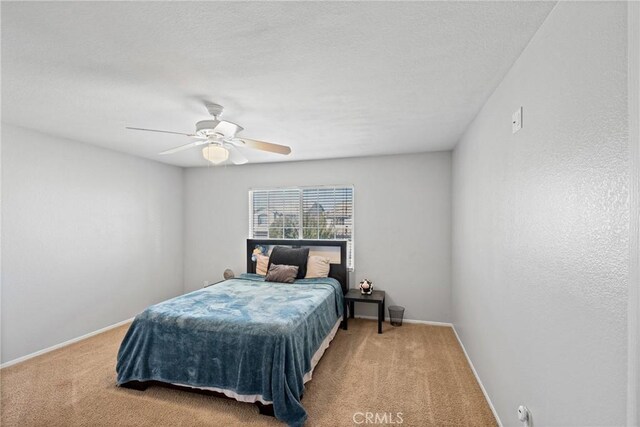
[{"x": 220, "y": 139}]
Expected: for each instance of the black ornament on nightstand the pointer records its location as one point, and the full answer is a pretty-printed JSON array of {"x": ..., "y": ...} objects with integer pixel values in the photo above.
[{"x": 366, "y": 287}]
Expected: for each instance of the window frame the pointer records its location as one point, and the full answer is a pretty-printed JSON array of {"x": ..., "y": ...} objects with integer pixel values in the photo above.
[{"x": 301, "y": 189}]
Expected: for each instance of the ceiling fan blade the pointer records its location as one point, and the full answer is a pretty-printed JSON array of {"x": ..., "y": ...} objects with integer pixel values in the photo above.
[
  {"x": 182, "y": 147},
  {"x": 160, "y": 131},
  {"x": 235, "y": 156},
  {"x": 261, "y": 145}
]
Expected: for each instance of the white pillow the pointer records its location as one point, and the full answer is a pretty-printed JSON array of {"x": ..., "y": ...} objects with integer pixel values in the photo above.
[
  {"x": 262, "y": 265},
  {"x": 317, "y": 266}
]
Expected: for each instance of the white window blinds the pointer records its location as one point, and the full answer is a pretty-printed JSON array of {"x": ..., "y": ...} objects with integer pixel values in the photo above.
[{"x": 316, "y": 213}]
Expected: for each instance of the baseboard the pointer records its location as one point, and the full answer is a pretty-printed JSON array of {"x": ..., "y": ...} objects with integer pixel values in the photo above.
[
  {"x": 64, "y": 344},
  {"x": 484, "y": 391},
  {"x": 423, "y": 322}
]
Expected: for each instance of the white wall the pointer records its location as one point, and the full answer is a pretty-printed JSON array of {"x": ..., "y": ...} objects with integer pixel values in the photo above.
[
  {"x": 541, "y": 226},
  {"x": 90, "y": 237},
  {"x": 402, "y": 222}
]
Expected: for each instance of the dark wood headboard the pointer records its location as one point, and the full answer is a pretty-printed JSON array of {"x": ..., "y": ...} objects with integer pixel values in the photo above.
[{"x": 336, "y": 271}]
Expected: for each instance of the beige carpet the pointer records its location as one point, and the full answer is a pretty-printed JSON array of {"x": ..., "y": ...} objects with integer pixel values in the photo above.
[{"x": 417, "y": 370}]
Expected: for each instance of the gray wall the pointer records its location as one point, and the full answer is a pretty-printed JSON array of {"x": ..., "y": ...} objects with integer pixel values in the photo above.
[
  {"x": 633, "y": 397},
  {"x": 402, "y": 222},
  {"x": 541, "y": 226},
  {"x": 90, "y": 237}
]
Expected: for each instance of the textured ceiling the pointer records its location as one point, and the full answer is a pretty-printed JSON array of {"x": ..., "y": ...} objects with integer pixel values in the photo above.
[{"x": 329, "y": 79}]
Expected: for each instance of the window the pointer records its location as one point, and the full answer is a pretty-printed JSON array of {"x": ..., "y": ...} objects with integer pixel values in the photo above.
[{"x": 316, "y": 213}]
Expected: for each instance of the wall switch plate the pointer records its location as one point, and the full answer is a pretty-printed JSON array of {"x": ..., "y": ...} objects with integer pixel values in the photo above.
[{"x": 516, "y": 120}]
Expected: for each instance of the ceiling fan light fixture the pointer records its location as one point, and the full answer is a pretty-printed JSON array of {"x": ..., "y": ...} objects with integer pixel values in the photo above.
[{"x": 215, "y": 153}]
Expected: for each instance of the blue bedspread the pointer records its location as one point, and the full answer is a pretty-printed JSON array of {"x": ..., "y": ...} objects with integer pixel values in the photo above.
[{"x": 245, "y": 335}]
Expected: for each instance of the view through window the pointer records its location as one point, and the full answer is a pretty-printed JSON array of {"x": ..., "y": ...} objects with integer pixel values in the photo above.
[{"x": 318, "y": 213}]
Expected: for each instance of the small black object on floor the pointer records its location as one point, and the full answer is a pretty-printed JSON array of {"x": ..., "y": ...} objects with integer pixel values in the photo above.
[{"x": 396, "y": 313}]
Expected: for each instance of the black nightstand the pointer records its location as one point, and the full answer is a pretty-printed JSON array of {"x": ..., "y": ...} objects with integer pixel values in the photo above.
[{"x": 354, "y": 295}]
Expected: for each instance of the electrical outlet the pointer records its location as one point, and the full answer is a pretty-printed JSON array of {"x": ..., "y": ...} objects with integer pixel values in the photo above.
[
  {"x": 524, "y": 415},
  {"x": 516, "y": 120}
]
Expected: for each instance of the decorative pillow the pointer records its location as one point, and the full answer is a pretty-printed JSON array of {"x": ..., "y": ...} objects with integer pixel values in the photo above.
[
  {"x": 262, "y": 265},
  {"x": 317, "y": 266},
  {"x": 290, "y": 256},
  {"x": 282, "y": 273}
]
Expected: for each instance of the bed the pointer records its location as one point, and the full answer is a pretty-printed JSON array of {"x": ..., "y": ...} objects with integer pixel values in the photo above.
[{"x": 244, "y": 338}]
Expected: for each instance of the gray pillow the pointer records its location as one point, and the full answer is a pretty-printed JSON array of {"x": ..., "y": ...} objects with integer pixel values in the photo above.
[{"x": 282, "y": 273}]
